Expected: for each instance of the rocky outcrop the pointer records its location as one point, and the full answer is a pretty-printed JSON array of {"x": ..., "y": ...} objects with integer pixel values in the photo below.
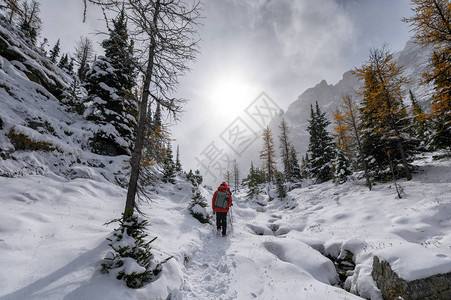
[
  {"x": 393, "y": 287},
  {"x": 25, "y": 57}
]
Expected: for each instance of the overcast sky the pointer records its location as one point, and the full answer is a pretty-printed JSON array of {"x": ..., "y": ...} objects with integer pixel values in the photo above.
[{"x": 281, "y": 47}]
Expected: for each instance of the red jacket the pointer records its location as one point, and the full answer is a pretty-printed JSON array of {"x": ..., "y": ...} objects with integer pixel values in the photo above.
[{"x": 222, "y": 187}]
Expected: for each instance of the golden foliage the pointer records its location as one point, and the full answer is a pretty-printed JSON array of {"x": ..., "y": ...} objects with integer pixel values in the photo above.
[
  {"x": 431, "y": 22},
  {"x": 342, "y": 132},
  {"x": 382, "y": 90},
  {"x": 268, "y": 154}
]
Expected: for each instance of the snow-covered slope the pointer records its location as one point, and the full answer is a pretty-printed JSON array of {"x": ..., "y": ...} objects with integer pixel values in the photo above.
[
  {"x": 53, "y": 239},
  {"x": 413, "y": 58},
  {"x": 38, "y": 132}
]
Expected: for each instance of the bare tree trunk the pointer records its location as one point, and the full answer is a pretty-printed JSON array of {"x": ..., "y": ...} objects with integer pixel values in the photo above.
[
  {"x": 165, "y": 31},
  {"x": 139, "y": 143},
  {"x": 350, "y": 107}
]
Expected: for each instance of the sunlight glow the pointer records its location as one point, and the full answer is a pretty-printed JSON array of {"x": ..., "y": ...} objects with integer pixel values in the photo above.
[{"x": 232, "y": 93}]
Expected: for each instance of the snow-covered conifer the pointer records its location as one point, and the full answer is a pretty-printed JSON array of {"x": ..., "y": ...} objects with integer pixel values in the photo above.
[
  {"x": 113, "y": 106},
  {"x": 131, "y": 258},
  {"x": 321, "y": 148},
  {"x": 280, "y": 182},
  {"x": 55, "y": 52},
  {"x": 342, "y": 167},
  {"x": 383, "y": 114},
  {"x": 169, "y": 166}
]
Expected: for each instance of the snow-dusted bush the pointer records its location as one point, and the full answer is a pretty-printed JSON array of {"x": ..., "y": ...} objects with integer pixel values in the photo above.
[
  {"x": 198, "y": 203},
  {"x": 131, "y": 258},
  {"x": 197, "y": 206},
  {"x": 195, "y": 178}
]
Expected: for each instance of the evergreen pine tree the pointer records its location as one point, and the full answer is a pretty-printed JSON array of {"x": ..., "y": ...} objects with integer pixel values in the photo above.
[
  {"x": 67, "y": 64},
  {"x": 113, "y": 104},
  {"x": 64, "y": 62},
  {"x": 321, "y": 148},
  {"x": 280, "y": 182},
  {"x": 198, "y": 177},
  {"x": 383, "y": 114},
  {"x": 253, "y": 181},
  {"x": 288, "y": 153},
  {"x": 156, "y": 137},
  {"x": 131, "y": 252},
  {"x": 195, "y": 178},
  {"x": 198, "y": 203},
  {"x": 419, "y": 119},
  {"x": 169, "y": 166},
  {"x": 342, "y": 167},
  {"x": 55, "y": 52},
  {"x": 294, "y": 174},
  {"x": 119, "y": 49},
  {"x": 157, "y": 116},
  {"x": 74, "y": 96}
]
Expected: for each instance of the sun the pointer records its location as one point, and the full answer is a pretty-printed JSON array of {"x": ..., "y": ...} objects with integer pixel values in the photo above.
[{"x": 232, "y": 93}]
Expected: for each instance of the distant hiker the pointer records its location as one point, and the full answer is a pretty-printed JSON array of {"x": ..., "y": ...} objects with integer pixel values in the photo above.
[{"x": 221, "y": 202}]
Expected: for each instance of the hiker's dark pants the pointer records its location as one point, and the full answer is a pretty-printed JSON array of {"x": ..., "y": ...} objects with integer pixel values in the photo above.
[{"x": 221, "y": 221}]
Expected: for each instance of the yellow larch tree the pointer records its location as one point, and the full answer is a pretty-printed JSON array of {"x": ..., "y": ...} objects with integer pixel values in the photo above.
[{"x": 431, "y": 23}]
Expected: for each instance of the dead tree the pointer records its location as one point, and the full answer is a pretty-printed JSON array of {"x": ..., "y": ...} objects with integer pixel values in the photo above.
[
  {"x": 83, "y": 56},
  {"x": 166, "y": 40}
]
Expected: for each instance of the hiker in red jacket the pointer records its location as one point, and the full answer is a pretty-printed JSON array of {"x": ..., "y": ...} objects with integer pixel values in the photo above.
[{"x": 221, "y": 202}]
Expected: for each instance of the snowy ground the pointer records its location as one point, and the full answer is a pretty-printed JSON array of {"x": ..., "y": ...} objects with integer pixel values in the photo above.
[{"x": 52, "y": 239}]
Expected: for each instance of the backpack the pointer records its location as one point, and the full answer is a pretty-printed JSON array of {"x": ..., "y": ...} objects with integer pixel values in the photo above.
[{"x": 221, "y": 199}]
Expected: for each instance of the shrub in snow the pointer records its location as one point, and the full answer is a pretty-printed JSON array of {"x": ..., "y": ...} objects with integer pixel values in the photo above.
[
  {"x": 198, "y": 203},
  {"x": 131, "y": 258},
  {"x": 197, "y": 206},
  {"x": 23, "y": 142}
]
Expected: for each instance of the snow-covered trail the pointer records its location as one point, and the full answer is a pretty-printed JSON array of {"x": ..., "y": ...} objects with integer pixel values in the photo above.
[
  {"x": 252, "y": 263},
  {"x": 209, "y": 272}
]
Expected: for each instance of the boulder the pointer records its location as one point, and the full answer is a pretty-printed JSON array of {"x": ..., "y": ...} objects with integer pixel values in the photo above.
[{"x": 392, "y": 286}]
